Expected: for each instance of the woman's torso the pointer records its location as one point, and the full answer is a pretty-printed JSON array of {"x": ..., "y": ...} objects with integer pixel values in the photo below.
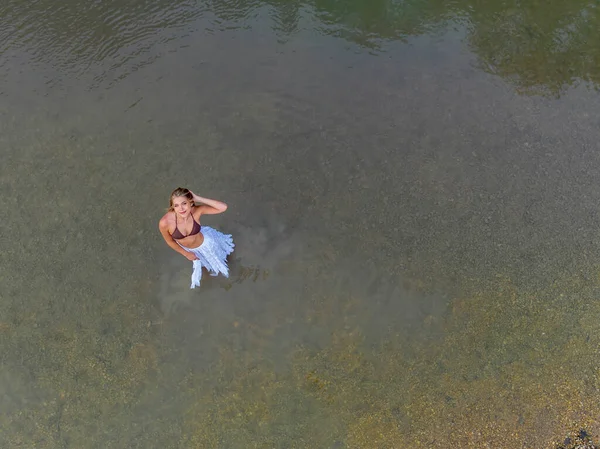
[{"x": 189, "y": 233}]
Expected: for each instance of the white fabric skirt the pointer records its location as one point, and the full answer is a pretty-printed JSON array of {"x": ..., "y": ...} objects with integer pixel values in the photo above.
[{"x": 212, "y": 254}]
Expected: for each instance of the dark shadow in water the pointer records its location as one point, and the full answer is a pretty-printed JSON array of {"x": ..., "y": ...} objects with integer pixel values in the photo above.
[{"x": 541, "y": 49}]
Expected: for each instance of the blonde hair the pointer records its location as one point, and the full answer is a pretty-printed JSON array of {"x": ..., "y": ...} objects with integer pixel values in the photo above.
[{"x": 180, "y": 192}]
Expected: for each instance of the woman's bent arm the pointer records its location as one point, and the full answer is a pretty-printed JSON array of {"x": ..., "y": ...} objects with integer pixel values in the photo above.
[{"x": 163, "y": 226}]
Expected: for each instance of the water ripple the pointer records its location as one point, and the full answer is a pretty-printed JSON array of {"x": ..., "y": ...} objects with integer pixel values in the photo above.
[
  {"x": 74, "y": 36},
  {"x": 539, "y": 50}
]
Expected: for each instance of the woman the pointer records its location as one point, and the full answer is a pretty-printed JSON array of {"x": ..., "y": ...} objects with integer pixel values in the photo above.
[{"x": 205, "y": 246}]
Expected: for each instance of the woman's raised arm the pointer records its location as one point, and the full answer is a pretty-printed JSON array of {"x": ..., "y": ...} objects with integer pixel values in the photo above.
[{"x": 209, "y": 206}]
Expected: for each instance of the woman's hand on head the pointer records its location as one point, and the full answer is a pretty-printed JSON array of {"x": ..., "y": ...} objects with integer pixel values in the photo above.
[{"x": 190, "y": 256}]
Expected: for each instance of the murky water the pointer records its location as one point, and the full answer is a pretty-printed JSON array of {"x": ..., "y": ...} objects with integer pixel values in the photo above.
[{"x": 412, "y": 189}]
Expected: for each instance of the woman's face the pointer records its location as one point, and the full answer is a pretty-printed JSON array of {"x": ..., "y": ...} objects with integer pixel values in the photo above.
[{"x": 182, "y": 205}]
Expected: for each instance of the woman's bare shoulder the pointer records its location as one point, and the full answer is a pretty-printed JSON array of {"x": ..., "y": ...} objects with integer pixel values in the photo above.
[{"x": 166, "y": 220}]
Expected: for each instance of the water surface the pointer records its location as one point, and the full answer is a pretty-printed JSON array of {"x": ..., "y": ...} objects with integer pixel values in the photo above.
[{"x": 412, "y": 189}]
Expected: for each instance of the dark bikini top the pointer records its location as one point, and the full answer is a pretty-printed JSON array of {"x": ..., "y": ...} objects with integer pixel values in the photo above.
[{"x": 177, "y": 235}]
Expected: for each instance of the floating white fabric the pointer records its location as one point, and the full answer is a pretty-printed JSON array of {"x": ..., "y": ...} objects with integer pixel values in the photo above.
[{"x": 212, "y": 254}]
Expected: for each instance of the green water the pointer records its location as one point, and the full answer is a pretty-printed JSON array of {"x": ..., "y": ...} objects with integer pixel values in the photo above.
[{"x": 412, "y": 190}]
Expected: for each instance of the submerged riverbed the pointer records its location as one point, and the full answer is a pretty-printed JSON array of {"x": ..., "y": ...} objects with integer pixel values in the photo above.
[{"x": 412, "y": 190}]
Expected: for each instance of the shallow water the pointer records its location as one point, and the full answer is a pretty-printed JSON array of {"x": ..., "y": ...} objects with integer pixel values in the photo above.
[{"x": 412, "y": 190}]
